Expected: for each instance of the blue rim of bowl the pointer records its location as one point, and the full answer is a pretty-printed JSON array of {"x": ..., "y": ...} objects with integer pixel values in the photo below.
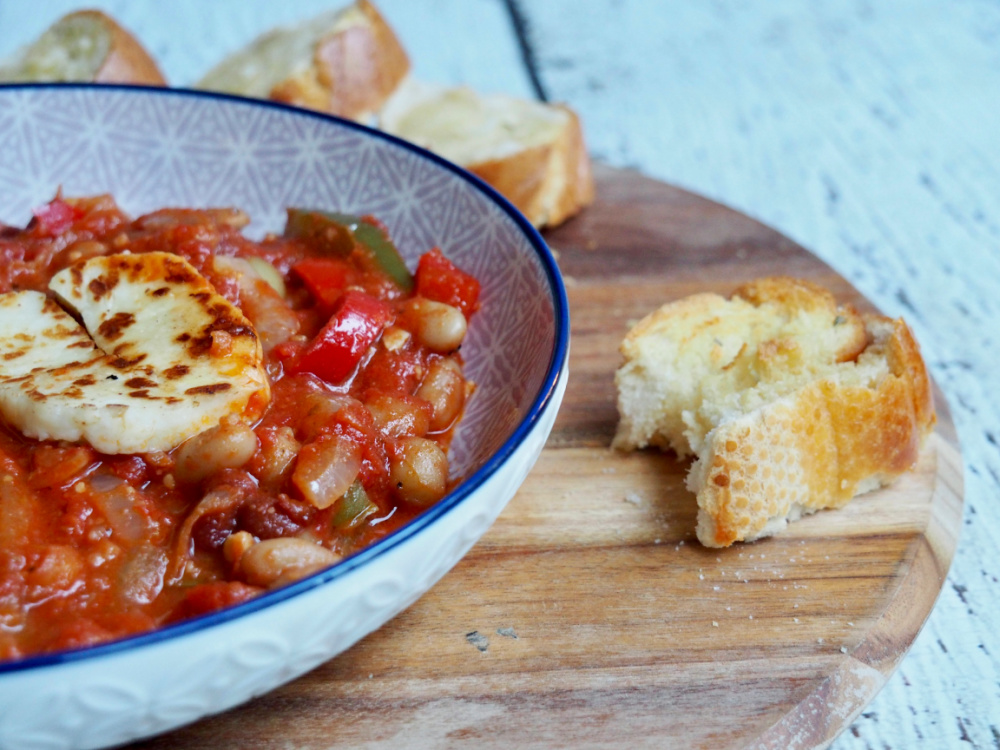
[{"x": 411, "y": 529}]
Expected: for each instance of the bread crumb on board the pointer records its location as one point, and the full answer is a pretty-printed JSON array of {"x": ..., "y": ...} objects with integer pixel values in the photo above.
[
  {"x": 788, "y": 401},
  {"x": 477, "y": 639}
]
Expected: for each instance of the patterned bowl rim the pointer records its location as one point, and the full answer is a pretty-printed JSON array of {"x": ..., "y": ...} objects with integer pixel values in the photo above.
[{"x": 458, "y": 495}]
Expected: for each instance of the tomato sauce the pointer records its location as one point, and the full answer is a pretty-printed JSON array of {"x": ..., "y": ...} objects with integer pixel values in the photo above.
[{"x": 366, "y": 386}]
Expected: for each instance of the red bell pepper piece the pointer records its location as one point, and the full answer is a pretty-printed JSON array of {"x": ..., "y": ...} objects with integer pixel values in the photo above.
[
  {"x": 440, "y": 280},
  {"x": 55, "y": 217},
  {"x": 325, "y": 278},
  {"x": 356, "y": 323}
]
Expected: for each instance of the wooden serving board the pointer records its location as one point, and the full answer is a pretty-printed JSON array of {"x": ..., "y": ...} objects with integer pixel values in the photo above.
[{"x": 589, "y": 616}]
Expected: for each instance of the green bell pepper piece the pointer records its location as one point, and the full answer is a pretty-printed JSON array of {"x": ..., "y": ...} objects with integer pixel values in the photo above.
[
  {"x": 331, "y": 227},
  {"x": 353, "y": 508}
]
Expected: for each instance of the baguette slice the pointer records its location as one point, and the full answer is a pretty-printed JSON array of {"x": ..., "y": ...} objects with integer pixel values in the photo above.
[
  {"x": 789, "y": 402},
  {"x": 345, "y": 62},
  {"x": 533, "y": 153},
  {"x": 86, "y": 46}
]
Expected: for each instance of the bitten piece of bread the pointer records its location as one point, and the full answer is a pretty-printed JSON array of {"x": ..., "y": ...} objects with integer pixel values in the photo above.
[
  {"x": 531, "y": 152},
  {"x": 345, "y": 62},
  {"x": 85, "y": 46},
  {"x": 789, "y": 402}
]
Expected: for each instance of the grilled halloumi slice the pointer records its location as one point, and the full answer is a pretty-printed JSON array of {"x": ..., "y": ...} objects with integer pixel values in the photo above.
[{"x": 163, "y": 357}]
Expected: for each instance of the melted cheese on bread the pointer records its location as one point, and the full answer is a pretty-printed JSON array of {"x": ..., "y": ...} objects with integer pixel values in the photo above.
[{"x": 163, "y": 357}]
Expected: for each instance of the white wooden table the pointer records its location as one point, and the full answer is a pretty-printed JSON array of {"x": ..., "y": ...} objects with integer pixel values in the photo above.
[{"x": 868, "y": 132}]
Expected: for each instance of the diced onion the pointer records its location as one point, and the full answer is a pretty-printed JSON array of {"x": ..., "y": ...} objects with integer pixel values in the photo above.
[
  {"x": 270, "y": 274},
  {"x": 217, "y": 501},
  {"x": 117, "y": 502},
  {"x": 326, "y": 469},
  {"x": 18, "y": 507},
  {"x": 141, "y": 574},
  {"x": 274, "y": 321}
]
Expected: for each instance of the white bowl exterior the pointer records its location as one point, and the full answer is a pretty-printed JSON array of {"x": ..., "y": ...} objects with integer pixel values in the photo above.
[{"x": 152, "y": 149}]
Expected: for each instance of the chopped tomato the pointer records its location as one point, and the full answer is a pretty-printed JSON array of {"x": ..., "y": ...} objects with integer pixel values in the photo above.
[
  {"x": 325, "y": 278},
  {"x": 337, "y": 350},
  {"x": 440, "y": 280},
  {"x": 55, "y": 217},
  {"x": 208, "y": 597},
  {"x": 54, "y": 466}
]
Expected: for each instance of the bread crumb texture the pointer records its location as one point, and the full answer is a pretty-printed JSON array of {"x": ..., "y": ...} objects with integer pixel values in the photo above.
[{"x": 789, "y": 402}]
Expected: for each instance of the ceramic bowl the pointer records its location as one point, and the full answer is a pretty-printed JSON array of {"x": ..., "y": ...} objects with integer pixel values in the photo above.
[{"x": 152, "y": 148}]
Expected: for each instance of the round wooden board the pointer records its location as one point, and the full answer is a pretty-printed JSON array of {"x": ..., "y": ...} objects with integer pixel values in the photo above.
[{"x": 589, "y": 616}]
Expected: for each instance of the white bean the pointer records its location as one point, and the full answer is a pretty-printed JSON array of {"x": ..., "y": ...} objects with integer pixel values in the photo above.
[
  {"x": 227, "y": 446},
  {"x": 321, "y": 409},
  {"x": 282, "y": 560},
  {"x": 399, "y": 417},
  {"x": 419, "y": 471},
  {"x": 444, "y": 389},
  {"x": 277, "y": 454},
  {"x": 440, "y": 327}
]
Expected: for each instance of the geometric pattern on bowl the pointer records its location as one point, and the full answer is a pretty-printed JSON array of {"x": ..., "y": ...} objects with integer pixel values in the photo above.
[{"x": 150, "y": 149}]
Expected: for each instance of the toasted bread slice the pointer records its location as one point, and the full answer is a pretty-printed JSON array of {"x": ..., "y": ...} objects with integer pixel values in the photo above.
[
  {"x": 789, "y": 402},
  {"x": 86, "y": 46},
  {"x": 531, "y": 152},
  {"x": 345, "y": 62}
]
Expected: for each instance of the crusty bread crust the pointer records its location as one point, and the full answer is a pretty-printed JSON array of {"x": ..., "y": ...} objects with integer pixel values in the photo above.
[
  {"x": 532, "y": 152},
  {"x": 351, "y": 62},
  {"x": 128, "y": 61},
  {"x": 354, "y": 69},
  {"x": 549, "y": 183},
  {"x": 847, "y": 420},
  {"x": 125, "y": 59}
]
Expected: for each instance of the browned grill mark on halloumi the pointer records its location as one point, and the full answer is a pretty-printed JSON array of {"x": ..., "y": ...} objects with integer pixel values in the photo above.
[
  {"x": 61, "y": 332},
  {"x": 175, "y": 372},
  {"x": 179, "y": 274},
  {"x": 160, "y": 292},
  {"x": 102, "y": 285},
  {"x": 125, "y": 363},
  {"x": 85, "y": 380},
  {"x": 208, "y": 390},
  {"x": 113, "y": 328},
  {"x": 140, "y": 383},
  {"x": 200, "y": 346}
]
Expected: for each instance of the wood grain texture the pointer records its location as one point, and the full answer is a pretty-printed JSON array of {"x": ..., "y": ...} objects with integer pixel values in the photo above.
[{"x": 589, "y": 616}]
